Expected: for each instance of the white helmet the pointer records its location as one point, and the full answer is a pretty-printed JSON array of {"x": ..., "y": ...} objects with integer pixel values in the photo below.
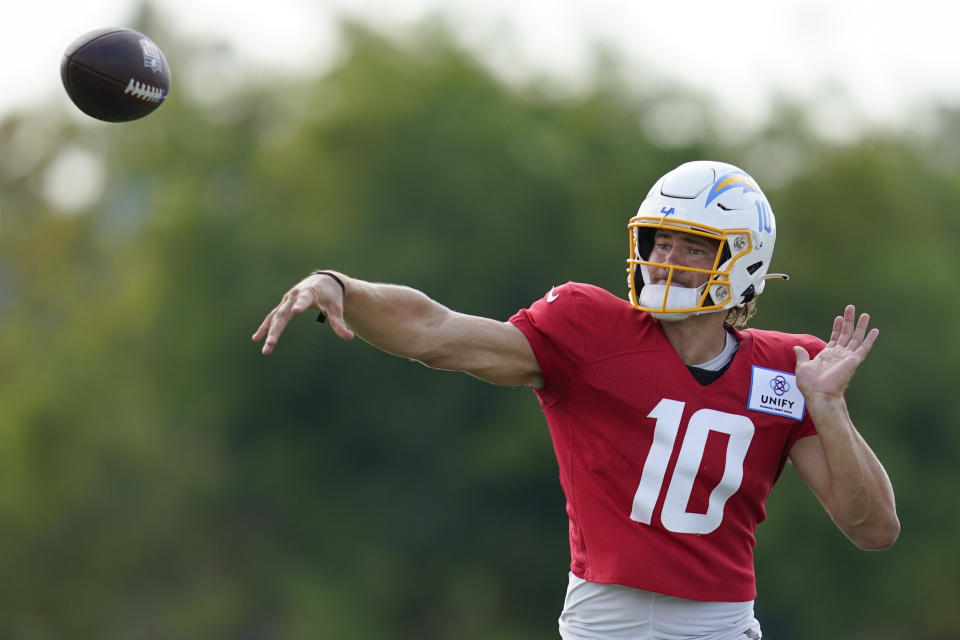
[{"x": 715, "y": 200}]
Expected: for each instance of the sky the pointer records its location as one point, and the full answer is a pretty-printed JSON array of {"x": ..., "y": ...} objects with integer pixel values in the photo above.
[{"x": 854, "y": 62}]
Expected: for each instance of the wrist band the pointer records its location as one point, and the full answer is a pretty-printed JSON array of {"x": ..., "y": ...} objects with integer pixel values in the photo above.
[{"x": 319, "y": 272}]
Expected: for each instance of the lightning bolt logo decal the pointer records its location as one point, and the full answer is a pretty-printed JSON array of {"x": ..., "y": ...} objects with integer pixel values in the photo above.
[{"x": 729, "y": 181}]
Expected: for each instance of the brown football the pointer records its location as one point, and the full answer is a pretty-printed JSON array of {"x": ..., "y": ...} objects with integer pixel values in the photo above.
[{"x": 115, "y": 74}]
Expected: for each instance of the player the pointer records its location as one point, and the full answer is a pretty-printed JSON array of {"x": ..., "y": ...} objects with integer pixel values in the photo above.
[{"x": 670, "y": 421}]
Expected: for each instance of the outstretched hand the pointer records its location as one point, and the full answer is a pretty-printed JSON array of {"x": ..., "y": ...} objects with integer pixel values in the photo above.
[
  {"x": 316, "y": 291},
  {"x": 830, "y": 371}
]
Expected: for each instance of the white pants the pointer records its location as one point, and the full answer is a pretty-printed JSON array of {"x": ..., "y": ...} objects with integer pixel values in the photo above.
[{"x": 595, "y": 611}]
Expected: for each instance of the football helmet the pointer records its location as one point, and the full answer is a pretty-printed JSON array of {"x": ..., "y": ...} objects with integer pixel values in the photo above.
[{"x": 717, "y": 201}]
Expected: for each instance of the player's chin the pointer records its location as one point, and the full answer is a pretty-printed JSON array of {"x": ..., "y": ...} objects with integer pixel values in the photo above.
[{"x": 674, "y": 316}]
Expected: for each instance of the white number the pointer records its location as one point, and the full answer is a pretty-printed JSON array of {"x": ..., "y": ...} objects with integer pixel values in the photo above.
[
  {"x": 674, "y": 515},
  {"x": 667, "y": 414}
]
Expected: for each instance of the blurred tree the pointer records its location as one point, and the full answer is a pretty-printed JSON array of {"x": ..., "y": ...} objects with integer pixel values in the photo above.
[{"x": 162, "y": 479}]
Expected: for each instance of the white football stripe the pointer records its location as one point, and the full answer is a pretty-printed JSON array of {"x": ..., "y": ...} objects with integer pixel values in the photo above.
[{"x": 144, "y": 91}]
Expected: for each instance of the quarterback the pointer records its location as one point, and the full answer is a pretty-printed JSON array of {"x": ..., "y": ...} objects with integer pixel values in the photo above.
[{"x": 670, "y": 420}]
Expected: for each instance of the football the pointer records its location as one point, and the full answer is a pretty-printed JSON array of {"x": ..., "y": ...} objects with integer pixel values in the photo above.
[{"x": 115, "y": 74}]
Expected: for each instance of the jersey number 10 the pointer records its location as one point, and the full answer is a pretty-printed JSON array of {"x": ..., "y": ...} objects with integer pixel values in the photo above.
[{"x": 674, "y": 515}]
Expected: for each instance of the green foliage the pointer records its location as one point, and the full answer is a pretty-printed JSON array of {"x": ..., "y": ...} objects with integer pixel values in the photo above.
[{"x": 159, "y": 478}]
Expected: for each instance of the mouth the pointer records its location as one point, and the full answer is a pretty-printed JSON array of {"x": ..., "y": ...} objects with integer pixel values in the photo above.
[{"x": 676, "y": 282}]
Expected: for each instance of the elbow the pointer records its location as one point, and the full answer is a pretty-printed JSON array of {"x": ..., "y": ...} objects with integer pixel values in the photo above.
[
  {"x": 887, "y": 536},
  {"x": 880, "y": 537}
]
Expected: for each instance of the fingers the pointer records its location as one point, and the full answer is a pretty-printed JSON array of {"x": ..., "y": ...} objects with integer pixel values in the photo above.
[
  {"x": 278, "y": 320},
  {"x": 846, "y": 325},
  {"x": 339, "y": 326},
  {"x": 851, "y": 332},
  {"x": 860, "y": 332},
  {"x": 332, "y": 309},
  {"x": 867, "y": 344},
  {"x": 297, "y": 300},
  {"x": 264, "y": 326},
  {"x": 835, "y": 333},
  {"x": 333, "y": 313},
  {"x": 306, "y": 299},
  {"x": 801, "y": 354},
  {"x": 268, "y": 320}
]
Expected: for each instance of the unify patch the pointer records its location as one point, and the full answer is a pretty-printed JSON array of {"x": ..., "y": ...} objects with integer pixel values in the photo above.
[{"x": 775, "y": 392}]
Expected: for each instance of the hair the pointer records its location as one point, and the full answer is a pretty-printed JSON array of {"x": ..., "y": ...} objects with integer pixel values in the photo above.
[{"x": 739, "y": 316}]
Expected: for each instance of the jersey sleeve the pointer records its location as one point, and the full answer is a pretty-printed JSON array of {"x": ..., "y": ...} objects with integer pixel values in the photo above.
[{"x": 552, "y": 327}]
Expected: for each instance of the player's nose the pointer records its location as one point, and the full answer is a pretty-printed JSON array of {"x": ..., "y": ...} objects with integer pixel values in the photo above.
[
  {"x": 672, "y": 256},
  {"x": 660, "y": 275}
]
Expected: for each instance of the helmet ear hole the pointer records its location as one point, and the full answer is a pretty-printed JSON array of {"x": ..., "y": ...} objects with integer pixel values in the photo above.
[
  {"x": 644, "y": 243},
  {"x": 752, "y": 269}
]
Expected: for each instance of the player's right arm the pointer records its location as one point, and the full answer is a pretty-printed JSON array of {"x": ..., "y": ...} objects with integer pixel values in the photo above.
[{"x": 407, "y": 323}]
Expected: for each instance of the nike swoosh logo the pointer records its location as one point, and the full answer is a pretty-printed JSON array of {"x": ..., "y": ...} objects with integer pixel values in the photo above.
[{"x": 552, "y": 296}]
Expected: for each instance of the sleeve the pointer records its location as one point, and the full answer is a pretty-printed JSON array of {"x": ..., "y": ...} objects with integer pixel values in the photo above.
[{"x": 552, "y": 327}]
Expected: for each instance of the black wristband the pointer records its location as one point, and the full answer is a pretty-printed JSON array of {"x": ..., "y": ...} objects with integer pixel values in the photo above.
[{"x": 320, "y": 272}]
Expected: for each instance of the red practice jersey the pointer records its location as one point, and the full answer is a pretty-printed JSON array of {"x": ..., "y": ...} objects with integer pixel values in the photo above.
[{"x": 665, "y": 479}]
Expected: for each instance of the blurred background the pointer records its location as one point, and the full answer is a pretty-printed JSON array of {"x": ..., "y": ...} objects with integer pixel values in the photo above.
[{"x": 159, "y": 478}]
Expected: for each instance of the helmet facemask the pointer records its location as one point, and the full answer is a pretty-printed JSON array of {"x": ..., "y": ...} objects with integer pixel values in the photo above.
[{"x": 672, "y": 301}]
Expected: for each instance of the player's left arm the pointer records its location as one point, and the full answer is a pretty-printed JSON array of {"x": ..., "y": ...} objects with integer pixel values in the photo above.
[{"x": 837, "y": 464}]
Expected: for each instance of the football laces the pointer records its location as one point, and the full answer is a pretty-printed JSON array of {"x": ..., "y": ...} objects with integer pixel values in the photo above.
[{"x": 144, "y": 91}]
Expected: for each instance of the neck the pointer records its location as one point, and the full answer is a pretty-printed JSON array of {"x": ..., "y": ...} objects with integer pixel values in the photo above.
[{"x": 697, "y": 339}]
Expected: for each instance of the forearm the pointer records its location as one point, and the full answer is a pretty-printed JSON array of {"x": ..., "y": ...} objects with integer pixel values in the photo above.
[
  {"x": 860, "y": 495},
  {"x": 394, "y": 318}
]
